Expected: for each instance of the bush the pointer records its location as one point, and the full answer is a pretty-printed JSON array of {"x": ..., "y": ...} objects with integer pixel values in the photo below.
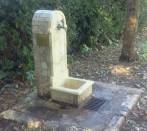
[
  {"x": 97, "y": 22},
  {"x": 143, "y": 15},
  {"x": 15, "y": 35},
  {"x": 90, "y": 23}
]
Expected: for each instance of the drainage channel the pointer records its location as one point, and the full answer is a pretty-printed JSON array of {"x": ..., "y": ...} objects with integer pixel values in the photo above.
[{"x": 94, "y": 104}]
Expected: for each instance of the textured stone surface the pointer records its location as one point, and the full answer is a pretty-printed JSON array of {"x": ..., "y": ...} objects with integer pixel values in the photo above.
[
  {"x": 74, "y": 91},
  {"x": 50, "y": 52},
  {"x": 119, "y": 101},
  {"x": 50, "y": 55}
]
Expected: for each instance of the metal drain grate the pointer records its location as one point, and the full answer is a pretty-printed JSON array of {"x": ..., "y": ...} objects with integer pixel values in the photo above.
[{"x": 94, "y": 104}]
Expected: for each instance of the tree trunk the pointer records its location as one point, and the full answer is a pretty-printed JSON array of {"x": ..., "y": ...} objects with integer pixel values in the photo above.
[{"x": 129, "y": 34}]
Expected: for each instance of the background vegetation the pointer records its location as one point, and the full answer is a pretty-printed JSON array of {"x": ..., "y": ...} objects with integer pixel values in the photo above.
[{"x": 95, "y": 23}]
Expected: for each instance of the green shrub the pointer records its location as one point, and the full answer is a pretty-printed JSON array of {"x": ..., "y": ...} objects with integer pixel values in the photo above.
[
  {"x": 143, "y": 14},
  {"x": 15, "y": 32},
  {"x": 90, "y": 23}
]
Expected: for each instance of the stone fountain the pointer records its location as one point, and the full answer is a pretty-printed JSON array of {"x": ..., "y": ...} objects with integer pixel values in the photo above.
[
  {"x": 61, "y": 102},
  {"x": 50, "y": 48}
]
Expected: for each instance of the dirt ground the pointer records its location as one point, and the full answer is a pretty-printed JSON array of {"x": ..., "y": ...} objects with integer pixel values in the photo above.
[
  {"x": 99, "y": 66},
  {"x": 105, "y": 67}
]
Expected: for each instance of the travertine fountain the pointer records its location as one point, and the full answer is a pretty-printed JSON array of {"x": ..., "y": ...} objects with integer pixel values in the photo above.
[{"x": 50, "y": 52}]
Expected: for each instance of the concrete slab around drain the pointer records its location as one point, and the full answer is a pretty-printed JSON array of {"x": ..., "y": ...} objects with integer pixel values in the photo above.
[{"x": 115, "y": 102}]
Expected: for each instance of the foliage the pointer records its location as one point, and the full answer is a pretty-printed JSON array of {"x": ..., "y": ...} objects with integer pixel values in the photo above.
[
  {"x": 143, "y": 14},
  {"x": 30, "y": 76},
  {"x": 92, "y": 22},
  {"x": 143, "y": 52},
  {"x": 85, "y": 49},
  {"x": 15, "y": 35}
]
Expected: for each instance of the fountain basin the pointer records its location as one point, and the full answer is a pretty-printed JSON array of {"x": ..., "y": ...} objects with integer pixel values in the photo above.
[{"x": 73, "y": 91}]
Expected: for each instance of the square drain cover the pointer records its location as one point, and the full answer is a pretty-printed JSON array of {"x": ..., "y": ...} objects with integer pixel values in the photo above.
[{"x": 94, "y": 104}]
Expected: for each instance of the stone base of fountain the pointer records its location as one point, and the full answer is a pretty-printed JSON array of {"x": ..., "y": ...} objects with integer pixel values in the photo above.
[{"x": 105, "y": 111}]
